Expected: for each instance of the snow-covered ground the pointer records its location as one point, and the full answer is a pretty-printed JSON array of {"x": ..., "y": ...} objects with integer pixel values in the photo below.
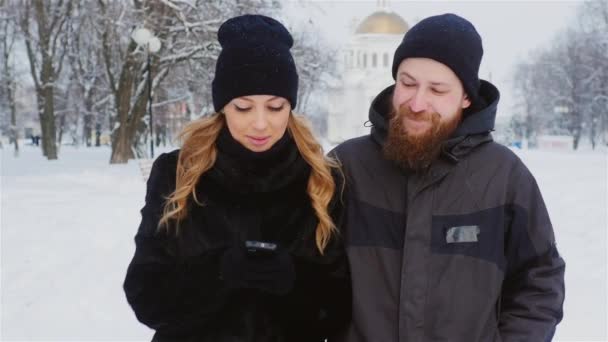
[{"x": 67, "y": 229}]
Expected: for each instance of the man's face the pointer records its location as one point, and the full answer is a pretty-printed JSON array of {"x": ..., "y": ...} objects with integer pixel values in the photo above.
[
  {"x": 427, "y": 107},
  {"x": 426, "y": 86}
]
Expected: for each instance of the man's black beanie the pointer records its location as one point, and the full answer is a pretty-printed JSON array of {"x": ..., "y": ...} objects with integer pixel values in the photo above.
[
  {"x": 255, "y": 60},
  {"x": 450, "y": 40}
]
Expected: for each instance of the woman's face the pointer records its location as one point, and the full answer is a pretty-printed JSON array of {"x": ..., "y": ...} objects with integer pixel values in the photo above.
[{"x": 257, "y": 121}]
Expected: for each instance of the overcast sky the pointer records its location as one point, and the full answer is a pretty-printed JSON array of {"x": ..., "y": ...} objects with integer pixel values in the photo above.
[{"x": 510, "y": 30}]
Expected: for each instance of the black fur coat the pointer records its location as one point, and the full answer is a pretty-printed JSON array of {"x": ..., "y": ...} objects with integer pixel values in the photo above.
[{"x": 173, "y": 283}]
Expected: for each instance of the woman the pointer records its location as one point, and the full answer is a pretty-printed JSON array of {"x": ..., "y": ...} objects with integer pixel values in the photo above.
[{"x": 238, "y": 239}]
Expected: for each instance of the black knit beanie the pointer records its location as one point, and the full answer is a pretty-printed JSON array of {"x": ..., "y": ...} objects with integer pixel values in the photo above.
[
  {"x": 255, "y": 60},
  {"x": 450, "y": 40}
]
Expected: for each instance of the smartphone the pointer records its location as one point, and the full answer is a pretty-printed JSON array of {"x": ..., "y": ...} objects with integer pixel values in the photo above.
[{"x": 260, "y": 248}]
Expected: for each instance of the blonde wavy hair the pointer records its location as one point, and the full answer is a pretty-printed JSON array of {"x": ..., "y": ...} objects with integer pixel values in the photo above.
[{"x": 198, "y": 154}]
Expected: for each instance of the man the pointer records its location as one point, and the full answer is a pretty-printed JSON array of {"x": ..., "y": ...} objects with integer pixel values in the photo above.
[{"x": 447, "y": 234}]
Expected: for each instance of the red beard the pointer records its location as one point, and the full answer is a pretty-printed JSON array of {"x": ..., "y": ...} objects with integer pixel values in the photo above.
[{"x": 417, "y": 152}]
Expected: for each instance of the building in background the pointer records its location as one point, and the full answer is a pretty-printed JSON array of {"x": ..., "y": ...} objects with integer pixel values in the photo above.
[{"x": 365, "y": 69}]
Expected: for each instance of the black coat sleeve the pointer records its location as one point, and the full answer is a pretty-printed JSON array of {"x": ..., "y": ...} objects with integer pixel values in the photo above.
[
  {"x": 335, "y": 299},
  {"x": 334, "y": 292},
  {"x": 533, "y": 290},
  {"x": 174, "y": 296},
  {"x": 323, "y": 287}
]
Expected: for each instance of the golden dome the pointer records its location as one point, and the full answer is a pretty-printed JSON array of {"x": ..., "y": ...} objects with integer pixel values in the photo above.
[{"x": 382, "y": 22}]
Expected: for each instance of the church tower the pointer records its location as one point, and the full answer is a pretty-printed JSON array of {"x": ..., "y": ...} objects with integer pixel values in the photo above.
[{"x": 365, "y": 70}]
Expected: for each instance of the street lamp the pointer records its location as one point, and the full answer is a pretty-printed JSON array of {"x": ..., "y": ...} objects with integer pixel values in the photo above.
[{"x": 144, "y": 38}]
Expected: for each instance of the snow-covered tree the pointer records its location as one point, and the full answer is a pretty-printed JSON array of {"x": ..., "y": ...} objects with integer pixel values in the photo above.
[
  {"x": 187, "y": 30},
  {"x": 88, "y": 88},
  {"x": 8, "y": 38},
  {"x": 563, "y": 88},
  {"x": 45, "y": 27},
  {"x": 89, "y": 73}
]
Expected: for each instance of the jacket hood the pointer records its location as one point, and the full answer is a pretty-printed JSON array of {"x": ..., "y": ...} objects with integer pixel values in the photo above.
[{"x": 476, "y": 123}]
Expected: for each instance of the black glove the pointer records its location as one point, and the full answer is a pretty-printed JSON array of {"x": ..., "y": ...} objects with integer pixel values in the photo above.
[{"x": 274, "y": 273}]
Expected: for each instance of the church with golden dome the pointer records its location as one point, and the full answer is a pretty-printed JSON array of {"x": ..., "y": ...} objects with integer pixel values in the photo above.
[{"x": 365, "y": 69}]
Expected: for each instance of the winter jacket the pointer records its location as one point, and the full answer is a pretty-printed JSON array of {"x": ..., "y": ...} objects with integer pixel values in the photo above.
[
  {"x": 174, "y": 283},
  {"x": 463, "y": 252}
]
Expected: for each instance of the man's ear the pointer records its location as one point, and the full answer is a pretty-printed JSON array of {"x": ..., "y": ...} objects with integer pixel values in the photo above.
[{"x": 466, "y": 102}]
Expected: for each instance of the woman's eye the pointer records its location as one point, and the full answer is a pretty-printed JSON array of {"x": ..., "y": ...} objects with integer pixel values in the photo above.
[
  {"x": 407, "y": 84},
  {"x": 438, "y": 92},
  {"x": 275, "y": 109},
  {"x": 242, "y": 109}
]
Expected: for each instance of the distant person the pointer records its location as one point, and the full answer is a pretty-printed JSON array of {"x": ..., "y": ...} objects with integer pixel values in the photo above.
[
  {"x": 35, "y": 140},
  {"x": 238, "y": 238},
  {"x": 447, "y": 234}
]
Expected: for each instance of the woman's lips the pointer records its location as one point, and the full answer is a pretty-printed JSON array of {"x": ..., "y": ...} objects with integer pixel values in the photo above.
[{"x": 258, "y": 141}]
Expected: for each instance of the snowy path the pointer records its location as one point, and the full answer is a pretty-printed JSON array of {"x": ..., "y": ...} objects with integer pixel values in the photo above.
[{"x": 67, "y": 230}]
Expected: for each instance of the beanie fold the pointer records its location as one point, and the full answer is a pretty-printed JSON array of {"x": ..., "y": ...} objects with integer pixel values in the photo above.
[{"x": 279, "y": 79}]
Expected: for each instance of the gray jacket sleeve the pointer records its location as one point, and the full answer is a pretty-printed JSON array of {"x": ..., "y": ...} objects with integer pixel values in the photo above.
[{"x": 533, "y": 290}]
